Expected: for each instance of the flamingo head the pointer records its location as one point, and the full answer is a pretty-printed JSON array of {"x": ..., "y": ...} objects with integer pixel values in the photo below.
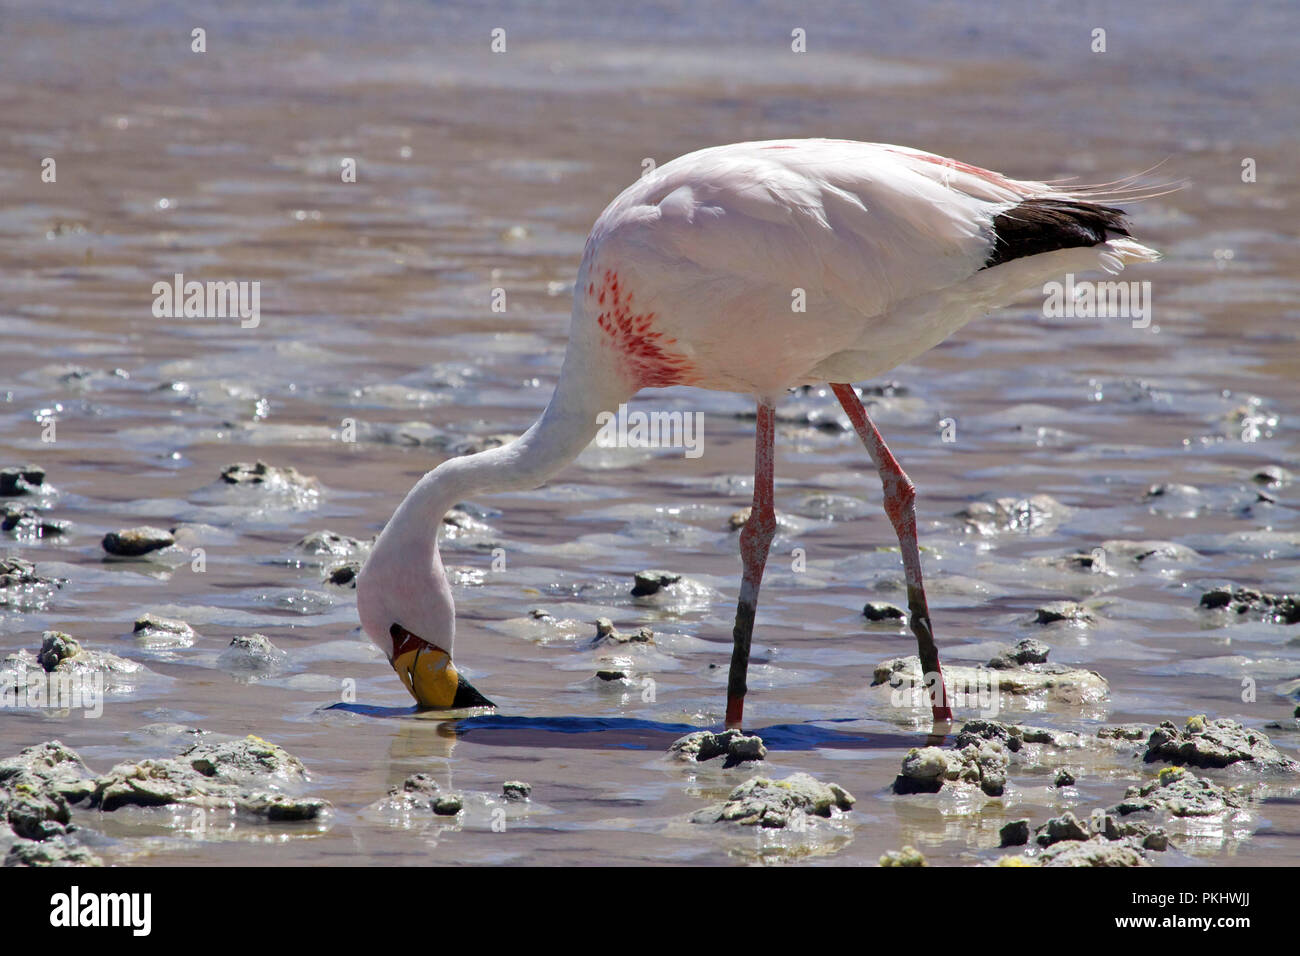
[{"x": 406, "y": 609}]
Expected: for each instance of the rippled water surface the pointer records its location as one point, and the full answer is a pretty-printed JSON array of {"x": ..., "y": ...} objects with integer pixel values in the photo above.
[{"x": 479, "y": 171}]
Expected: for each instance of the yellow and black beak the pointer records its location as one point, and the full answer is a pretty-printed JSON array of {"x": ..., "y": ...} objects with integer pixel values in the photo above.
[{"x": 429, "y": 674}]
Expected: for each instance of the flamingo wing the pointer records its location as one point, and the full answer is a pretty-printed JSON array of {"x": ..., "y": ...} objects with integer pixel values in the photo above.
[{"x": 866, "y": 232}]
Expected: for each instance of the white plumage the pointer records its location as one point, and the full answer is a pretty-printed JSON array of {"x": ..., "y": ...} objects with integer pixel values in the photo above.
[
  {"x": 754, "y": 268},
  {"x": 887, "y": 244}
]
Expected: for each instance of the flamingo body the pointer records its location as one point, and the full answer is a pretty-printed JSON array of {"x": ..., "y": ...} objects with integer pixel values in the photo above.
[{"x": 752, "y": 268}]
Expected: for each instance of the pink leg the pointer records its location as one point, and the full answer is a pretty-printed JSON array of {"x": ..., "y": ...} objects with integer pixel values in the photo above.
[
  {"x": 900, "y": 505},
  {"x": 755, "y": 540}
]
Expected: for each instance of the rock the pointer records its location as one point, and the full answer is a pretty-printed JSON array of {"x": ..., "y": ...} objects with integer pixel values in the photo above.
[
  {"x": 48, "y": 768},
  {"x": 741, "y": 749},
  {"x": 739, "y": 518},
  {"x": 890, "y": 389},
  {"x": 1097, "y": 851},
  {"x": 1014, "y": 833},
  {"x": 1093, "y": 561},
  {"x": 1148, "y": 552},
  {"x": 244, "y": 775},
  {"x": 1041, "y": 735},
  {"x": 650, "y": 582},
  {"x": 974, "y": 731},
  {"x": 151, "y": 783},
  {"x": 252, "y": 655},
  {"x": 32, "y": 810},
  {"x": 1064, "y": 778},
  {"x": 1010, "y": 736},
  {"x": 38, "y": 785},
  {"x": 907, "y": 856},
  {"x": 516, "y": 790},
  {"x": 56, "y": 647},
  {"x": 1012, "y": 514},
  {"x": 448, "y": 805},
  {"x": 606, "y": 633},
  {"x": 16, "y": 572},
  {"x": 1157, "y": 840},
  {"x": 1124, "y": 732},
  {"x": 1171, "y": 489},
  {"x": 461, "y": 522},
  {"x": 65, "y": 675},
  {"x": 1028, "y": 651},
  {"x": 50, "y": 853},
  {"x": 990, "y": 761},
  {"x": 27, "y": 522},
  {"x": 241, "y": 760},
  {"x": 1070, "y": 611},
  {"x": 418, "y": 792},
  {"x": 1272, "y": 476},
  {"x": 156, "y": 783},
  {"x": 1134, "y": 833},
  {"x": 1275, "y": 608},
  {"x": 927, "y": 769},
  {"x": 281, "y": 807},
  {"x": 61, "y": 653},
  {"x": 1055, "y": 681},
  {"x": 22, "y": 588},
  {"x": 1216, "y": 743},
  {"x": 344, "y": 575},
  {"x": 261, "y": 474},
  {"x": 880, "y": 611},
  {"x": 1064, "y": 827},
  {"x": 25, "y": 480},
  {"x": 774, "y": 804},
  {"x": 134, "y": 542},
  {"x": 1180, "y": 793},
  {"x": 705, "y": 745},
  {"x": 158, "y": 631},
  {"x": 331, "y": 543}
]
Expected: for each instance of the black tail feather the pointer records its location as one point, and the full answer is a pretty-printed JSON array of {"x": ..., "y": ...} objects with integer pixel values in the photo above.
[{"x": 1036, "y": 226}]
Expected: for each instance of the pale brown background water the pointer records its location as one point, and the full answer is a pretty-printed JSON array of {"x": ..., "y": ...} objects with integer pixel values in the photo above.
[{"x": 479, "y": 171}]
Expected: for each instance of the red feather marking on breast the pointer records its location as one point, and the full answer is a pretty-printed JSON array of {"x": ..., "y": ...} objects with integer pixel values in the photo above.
[{"x": 643, "y": 352}]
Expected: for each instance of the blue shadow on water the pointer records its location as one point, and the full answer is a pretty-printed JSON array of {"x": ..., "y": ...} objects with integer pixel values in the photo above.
[
  {"x": 370, "y": 710},
  {"x": 627, "y": 733}
]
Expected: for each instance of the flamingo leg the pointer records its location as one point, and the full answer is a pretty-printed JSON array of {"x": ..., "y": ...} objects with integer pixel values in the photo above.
[
  {"x": 900, "y": 505},
  {"x": 755, "y": 542}
]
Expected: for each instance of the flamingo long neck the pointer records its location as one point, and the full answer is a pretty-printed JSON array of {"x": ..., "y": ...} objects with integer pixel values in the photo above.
[{"x": 561, "y": 433}]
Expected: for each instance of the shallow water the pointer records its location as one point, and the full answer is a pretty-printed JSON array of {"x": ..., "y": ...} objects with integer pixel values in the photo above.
[{"x": 479, "y": 171}]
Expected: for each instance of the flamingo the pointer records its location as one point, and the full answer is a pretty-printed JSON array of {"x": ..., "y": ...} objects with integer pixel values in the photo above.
[{"x": 688, "y": 278}]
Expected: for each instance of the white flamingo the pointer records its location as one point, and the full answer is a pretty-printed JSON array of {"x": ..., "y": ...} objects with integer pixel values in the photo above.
[{"x": 688, "y": 278}]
